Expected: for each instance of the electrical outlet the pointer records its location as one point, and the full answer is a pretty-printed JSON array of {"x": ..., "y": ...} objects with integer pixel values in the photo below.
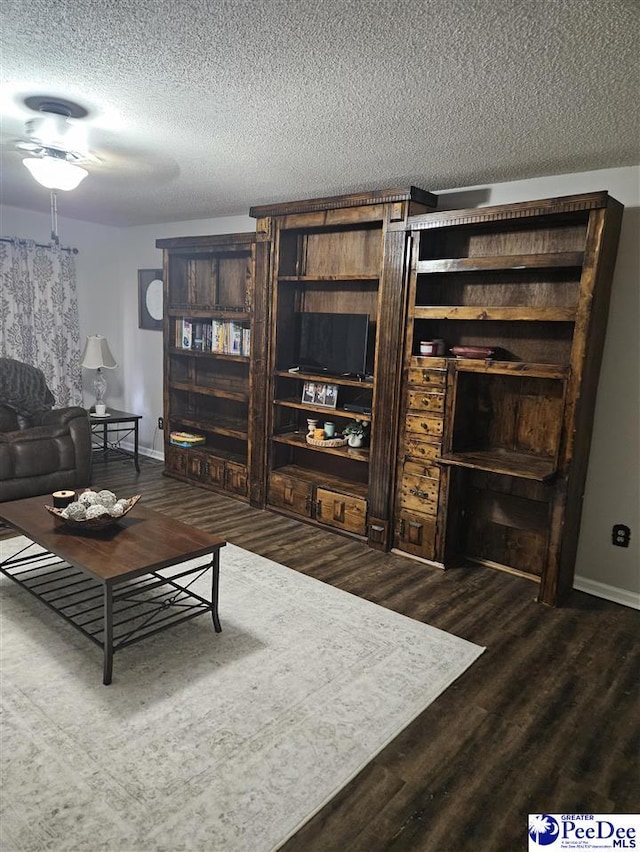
[
  {"x": 160, "y": 422},
  {"x": 620, "y": 535}
]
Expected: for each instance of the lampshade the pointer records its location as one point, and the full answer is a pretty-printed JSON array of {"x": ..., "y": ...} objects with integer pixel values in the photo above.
[
  {"x": 55, "y": 172},
  {"x": 97, "y": 354}
]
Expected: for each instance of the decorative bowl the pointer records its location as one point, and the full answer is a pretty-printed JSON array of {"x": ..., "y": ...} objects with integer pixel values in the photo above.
[
  {"x": 479, "y": 352},
  {"x": 94, "y": 524},
  {"x": 327, "y": 442}
]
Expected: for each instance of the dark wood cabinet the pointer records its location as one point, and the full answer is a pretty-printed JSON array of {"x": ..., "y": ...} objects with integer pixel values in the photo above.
[
  {"x": 509, "y": 429},
  {"x": 214, "y": 362},
  {"x": 328, "y": 257},
  {"x": 485, "y": 330}
]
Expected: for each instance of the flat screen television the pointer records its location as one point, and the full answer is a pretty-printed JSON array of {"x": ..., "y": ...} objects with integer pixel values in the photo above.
[{"x": 333, "y": 343}]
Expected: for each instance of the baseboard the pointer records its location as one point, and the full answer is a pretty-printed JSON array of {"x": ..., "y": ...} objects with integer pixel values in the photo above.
[
  {"x": 609, "y": 593},
  {"x": 152, "y": 454},
  {"x": 143, "y": 451}
]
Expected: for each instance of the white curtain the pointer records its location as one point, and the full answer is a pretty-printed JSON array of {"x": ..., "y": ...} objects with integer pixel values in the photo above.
[{"x": 39, "y": 322}]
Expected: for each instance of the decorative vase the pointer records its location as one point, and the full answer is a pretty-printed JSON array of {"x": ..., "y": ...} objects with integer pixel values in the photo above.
[{"x": 355, "y": 440}]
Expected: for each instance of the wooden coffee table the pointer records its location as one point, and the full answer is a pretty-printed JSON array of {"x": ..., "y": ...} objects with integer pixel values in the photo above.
[{"x": 118, "y": 586}]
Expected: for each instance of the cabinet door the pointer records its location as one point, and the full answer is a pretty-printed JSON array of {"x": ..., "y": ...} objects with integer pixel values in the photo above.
[
  {"x": 415, "y": 534},
  {"x": 196, "y": 465},
  {"x": 236, "y": 478},
  {"x": 215, "y": 471},
  {"x": 341, "y": 511},
  {"x": 176, "y": 461},
  {"x": 289, "y": 493}
]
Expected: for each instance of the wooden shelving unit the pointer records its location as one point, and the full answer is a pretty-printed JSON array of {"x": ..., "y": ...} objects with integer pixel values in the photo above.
[
  {"x": 327, "y": 258},
  {"x": 213, "y": 383},
  {"x": 497, "y": 478}
]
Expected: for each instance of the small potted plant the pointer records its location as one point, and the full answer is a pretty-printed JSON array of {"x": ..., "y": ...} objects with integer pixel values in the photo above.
[{"x": 355, "y": 432}]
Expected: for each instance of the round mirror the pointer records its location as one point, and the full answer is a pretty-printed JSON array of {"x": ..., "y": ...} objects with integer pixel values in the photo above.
[{"x": 153, "y": 299}]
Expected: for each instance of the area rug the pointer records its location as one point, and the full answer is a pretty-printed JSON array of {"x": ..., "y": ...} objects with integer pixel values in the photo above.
[{"x": 205, "y": 741}]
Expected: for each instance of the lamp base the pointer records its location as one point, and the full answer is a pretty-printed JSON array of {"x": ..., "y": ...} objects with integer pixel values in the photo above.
[{"x": 99, "y": 388}]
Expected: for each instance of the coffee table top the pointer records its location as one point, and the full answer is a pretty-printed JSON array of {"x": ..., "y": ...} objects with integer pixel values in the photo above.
[{"x": 142, "y": 541}]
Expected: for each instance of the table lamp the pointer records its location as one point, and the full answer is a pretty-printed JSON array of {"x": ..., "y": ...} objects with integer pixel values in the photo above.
[{"x": 97, "y": 355}]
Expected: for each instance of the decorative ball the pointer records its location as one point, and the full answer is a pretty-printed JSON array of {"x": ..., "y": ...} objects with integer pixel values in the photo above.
[
  {"x": 88, "y": 497},
  {"x": 106, "y": 498},
  {"x": 76, "y": 511},
  {"x": 116, "y": 511},
  {"x": 96, "y": 511}
]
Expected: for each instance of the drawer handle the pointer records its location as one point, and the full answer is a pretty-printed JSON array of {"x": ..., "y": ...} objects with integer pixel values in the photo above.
[{"x": 423, "y": 495}]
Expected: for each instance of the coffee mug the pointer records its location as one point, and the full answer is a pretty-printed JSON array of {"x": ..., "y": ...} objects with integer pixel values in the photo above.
[
  {"x": 329, "y": 429},
  {"x": 101, "y": 409}
]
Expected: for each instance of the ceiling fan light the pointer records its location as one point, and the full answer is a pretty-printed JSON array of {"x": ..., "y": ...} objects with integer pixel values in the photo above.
[{"x": 55, "y": 173}]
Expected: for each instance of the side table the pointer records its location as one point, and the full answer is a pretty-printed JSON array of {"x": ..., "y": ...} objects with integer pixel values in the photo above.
[{"x": 109, "y": 431}]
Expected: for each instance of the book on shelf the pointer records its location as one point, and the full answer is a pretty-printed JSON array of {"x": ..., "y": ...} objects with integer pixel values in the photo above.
[
  {"x": 186, "y": 439},
  {"x": 246, "y": 341},
  {"x": 235, "y": 338},
  {"x": 197, "y": 335},
  {"x": 187, "y": 333},
  {"x": 217, "y": 335}
]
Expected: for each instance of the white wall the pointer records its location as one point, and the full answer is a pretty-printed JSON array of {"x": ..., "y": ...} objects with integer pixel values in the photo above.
[{"x": 108, "y": 297}]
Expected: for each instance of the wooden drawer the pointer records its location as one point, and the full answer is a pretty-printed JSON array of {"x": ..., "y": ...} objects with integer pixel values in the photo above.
[
  {"x": 426, "y": 401},
  {"x": 424, "y": 424},
  {"x": 415, "y": 448},
  {"x": 341, "y": 510},
  {"x": 427, "y": 378},
  {"x": 236, "y": 478},
  {"x": 415, "y": 534},
  {"x": 419, "y": 493},
  {"x": 422, "y": 468},
  {"x": 289, "y": 493}
]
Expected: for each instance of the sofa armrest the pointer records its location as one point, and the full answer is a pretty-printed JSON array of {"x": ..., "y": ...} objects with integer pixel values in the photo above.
[{"x": 57, "y": 417}]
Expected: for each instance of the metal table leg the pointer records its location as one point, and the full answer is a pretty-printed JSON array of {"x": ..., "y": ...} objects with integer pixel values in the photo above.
[
  {"x": 215, "y": 577},
  {"x": 108, "y": 634}
]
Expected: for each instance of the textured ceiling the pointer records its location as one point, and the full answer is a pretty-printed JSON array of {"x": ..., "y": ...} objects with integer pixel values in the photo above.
[{"x": 200, "y": 109}]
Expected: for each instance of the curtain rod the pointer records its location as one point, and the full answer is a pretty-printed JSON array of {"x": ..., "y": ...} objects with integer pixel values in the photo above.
[{"x": 39, "y": 245}]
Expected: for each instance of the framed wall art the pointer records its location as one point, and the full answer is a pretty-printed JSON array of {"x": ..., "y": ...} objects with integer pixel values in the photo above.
[{"x": 150, "y": 309}]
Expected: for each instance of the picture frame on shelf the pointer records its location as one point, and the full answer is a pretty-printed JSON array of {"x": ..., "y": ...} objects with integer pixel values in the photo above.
[
  {"x": 321, "y": 394},
  {"x": 150, "y": 299}
]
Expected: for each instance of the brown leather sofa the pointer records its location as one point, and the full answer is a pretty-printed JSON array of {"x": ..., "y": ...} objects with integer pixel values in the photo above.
[{"x": 41, "y": 449}]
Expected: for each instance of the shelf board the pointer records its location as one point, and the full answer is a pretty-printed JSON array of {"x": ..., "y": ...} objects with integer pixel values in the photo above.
[
  {"x": 212, "y": 451},
  {"x": 511, "y": 368},
  {"x": 237, "y": 396},
  {"x": 230, "y": 428},
  {"x": 200, "y": 353},
  {"x": 506, "y": 462},
  {"x": 203, "y": 312},
  {"x": 298, "y": 439},
  {"x": 318, "y": 409},
  {"x": 500, "y": 314},
  {"x": 320, "y": 377},
  {"x": 513, "y": 262},
  {"x": 308, "y": 279}
]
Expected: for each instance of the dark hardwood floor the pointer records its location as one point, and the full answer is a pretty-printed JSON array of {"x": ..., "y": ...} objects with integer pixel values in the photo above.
[{"x": 546, "y": 721}]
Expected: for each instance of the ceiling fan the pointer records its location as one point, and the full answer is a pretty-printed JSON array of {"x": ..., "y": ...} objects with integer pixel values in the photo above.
[{"x": 58, "y": 143}]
